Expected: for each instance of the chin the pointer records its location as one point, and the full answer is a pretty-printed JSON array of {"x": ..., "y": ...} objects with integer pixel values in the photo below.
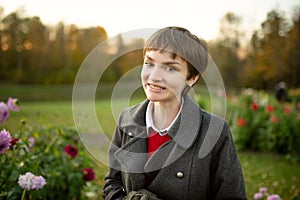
[{"x": 153, "y": 99}]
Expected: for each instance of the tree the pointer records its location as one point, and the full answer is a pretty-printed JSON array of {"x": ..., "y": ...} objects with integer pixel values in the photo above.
[
  {"x": 12, "y": 39},
  {"x": 35, "y": 49},
  {"x": 225, "y": 50},
  {"x": 267, "y": 62},
  {"x": 293, "y": 51}
]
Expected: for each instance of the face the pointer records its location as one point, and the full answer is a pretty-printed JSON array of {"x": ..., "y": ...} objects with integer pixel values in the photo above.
[{"x": 164, "y": 77}]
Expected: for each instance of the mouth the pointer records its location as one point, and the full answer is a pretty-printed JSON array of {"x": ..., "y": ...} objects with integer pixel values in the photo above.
[{"x": 156, "y": 87}]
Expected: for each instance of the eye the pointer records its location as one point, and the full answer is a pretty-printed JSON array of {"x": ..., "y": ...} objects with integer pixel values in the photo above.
[
  {"x": 170, "y": 68},
  {"x": 148, "y": 64}
]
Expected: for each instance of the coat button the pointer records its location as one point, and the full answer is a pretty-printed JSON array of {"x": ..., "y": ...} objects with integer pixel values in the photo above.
[
  {"x": 179, "y": 175},
  {"x": 130, "y": 134}
]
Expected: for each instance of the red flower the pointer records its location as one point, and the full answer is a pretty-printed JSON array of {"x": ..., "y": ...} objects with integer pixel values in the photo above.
[
  {"x": 88, "y": 174},
  {"x": 13, "y": 141},
  {"x": 298, "y": 105},
  {"x": 72, "y": 151},
  {"x": 254, "y": 106},
  {"x": 287, "y": 110},
  {"x": 270, "y": 108},
  {"x": 241, "y": 122},
  {"x": 274, "y": 119}
]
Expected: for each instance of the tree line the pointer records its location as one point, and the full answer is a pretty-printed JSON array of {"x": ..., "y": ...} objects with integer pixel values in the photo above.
[
  {"x": 34, "y": 53},
  {"x": 270, "y": 56}
]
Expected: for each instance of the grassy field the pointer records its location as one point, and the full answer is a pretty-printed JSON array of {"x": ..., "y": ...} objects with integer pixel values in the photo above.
[
  {"x": 260, "y": 170},
  {"x": 268, "y": 170}
]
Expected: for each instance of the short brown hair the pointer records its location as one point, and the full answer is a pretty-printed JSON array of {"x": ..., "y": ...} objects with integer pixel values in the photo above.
[{"x": 181, "y": 42}]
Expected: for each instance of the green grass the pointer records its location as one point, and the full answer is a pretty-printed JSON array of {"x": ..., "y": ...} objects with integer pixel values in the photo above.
[
  {"x": 57, "y": 113},
  {"x": 268, "y": 170},
  {"x": 29, "y": 93},
  {"x": 38, "y": 93},
  {"x": 271, "y": 171}
]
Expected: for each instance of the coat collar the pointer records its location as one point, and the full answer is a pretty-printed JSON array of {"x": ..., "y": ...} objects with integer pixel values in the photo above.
[
  {"x": 133, "y": 155},
  {"x": 134, "y": 122}
]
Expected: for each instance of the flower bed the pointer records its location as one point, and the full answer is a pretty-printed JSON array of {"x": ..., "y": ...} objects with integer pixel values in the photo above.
[
  {"x": 42, "y": 161},
  {"x": 261, "y": 123}
]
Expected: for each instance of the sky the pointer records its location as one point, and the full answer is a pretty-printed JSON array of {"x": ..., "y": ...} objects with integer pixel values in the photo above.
[{"x": 202, "y": 18}]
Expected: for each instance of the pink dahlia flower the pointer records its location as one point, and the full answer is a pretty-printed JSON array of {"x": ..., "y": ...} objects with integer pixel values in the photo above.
[
  {"x": 4, "y": 112},
  {"x": 5, "y": 139},
  {"x": 13, "y": 104}
]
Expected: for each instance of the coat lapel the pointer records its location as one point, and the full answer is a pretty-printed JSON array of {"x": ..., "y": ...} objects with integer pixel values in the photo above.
[
  {"x": 133, "y": 155},
  {"x": 186, "y": 128}
]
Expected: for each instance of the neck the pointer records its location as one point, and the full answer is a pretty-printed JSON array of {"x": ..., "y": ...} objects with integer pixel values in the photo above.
[{"x": 164, "y": 113}]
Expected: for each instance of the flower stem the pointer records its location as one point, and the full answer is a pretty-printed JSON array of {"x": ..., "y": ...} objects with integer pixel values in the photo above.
[{"x": 23, "y": 195}]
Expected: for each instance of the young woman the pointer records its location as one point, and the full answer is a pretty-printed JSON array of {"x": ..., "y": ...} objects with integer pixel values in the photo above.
[{"x": 157, "y": 148}]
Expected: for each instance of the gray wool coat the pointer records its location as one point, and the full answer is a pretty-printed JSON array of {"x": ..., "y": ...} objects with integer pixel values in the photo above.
[{"x": 199, "y": 162}]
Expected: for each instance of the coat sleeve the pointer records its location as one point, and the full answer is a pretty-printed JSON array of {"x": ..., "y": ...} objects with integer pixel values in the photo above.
[
  {"x": 228, "y": 181},
  {"x": 113, "y": 185}
]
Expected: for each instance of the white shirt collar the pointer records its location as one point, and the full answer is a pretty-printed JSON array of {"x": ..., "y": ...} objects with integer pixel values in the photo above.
[{"x": 149, "y": 119}]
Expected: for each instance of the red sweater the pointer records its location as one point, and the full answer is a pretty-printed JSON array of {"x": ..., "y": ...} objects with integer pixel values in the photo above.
[{"x": 155, "y": 140}]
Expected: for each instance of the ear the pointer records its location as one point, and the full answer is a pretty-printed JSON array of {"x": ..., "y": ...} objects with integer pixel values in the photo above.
[{"x": 193, "y": 80}]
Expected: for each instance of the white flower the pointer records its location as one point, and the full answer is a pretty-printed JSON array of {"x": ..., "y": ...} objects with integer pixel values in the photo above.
[
  {"x": 39, "y": 182},
  {"x": 26, "y": 181},
  {"x": 29, "y": 181}
]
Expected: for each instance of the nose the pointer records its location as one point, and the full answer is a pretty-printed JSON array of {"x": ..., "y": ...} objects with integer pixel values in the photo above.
[{"x": 155, "y": 74}]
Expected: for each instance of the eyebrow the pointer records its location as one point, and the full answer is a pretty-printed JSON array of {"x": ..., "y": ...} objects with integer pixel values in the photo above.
[{"x": 164, "y": 63}]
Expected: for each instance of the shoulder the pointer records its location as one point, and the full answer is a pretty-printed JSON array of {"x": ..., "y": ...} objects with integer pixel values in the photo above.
[
  {"x": 134, "y": 114},
  {"x": 136, "y": 109},
  {"x": 210, "y": 120},
  {"x": 214, "y": 131}
]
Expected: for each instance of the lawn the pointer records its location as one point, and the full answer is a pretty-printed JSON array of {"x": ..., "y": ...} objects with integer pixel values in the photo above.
[{"x": 260, "y": 170}]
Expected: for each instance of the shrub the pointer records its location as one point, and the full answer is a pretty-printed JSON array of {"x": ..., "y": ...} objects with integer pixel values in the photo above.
[
  {"x": 54, "y": 154},
  {"x": 261, "y": 123}
]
